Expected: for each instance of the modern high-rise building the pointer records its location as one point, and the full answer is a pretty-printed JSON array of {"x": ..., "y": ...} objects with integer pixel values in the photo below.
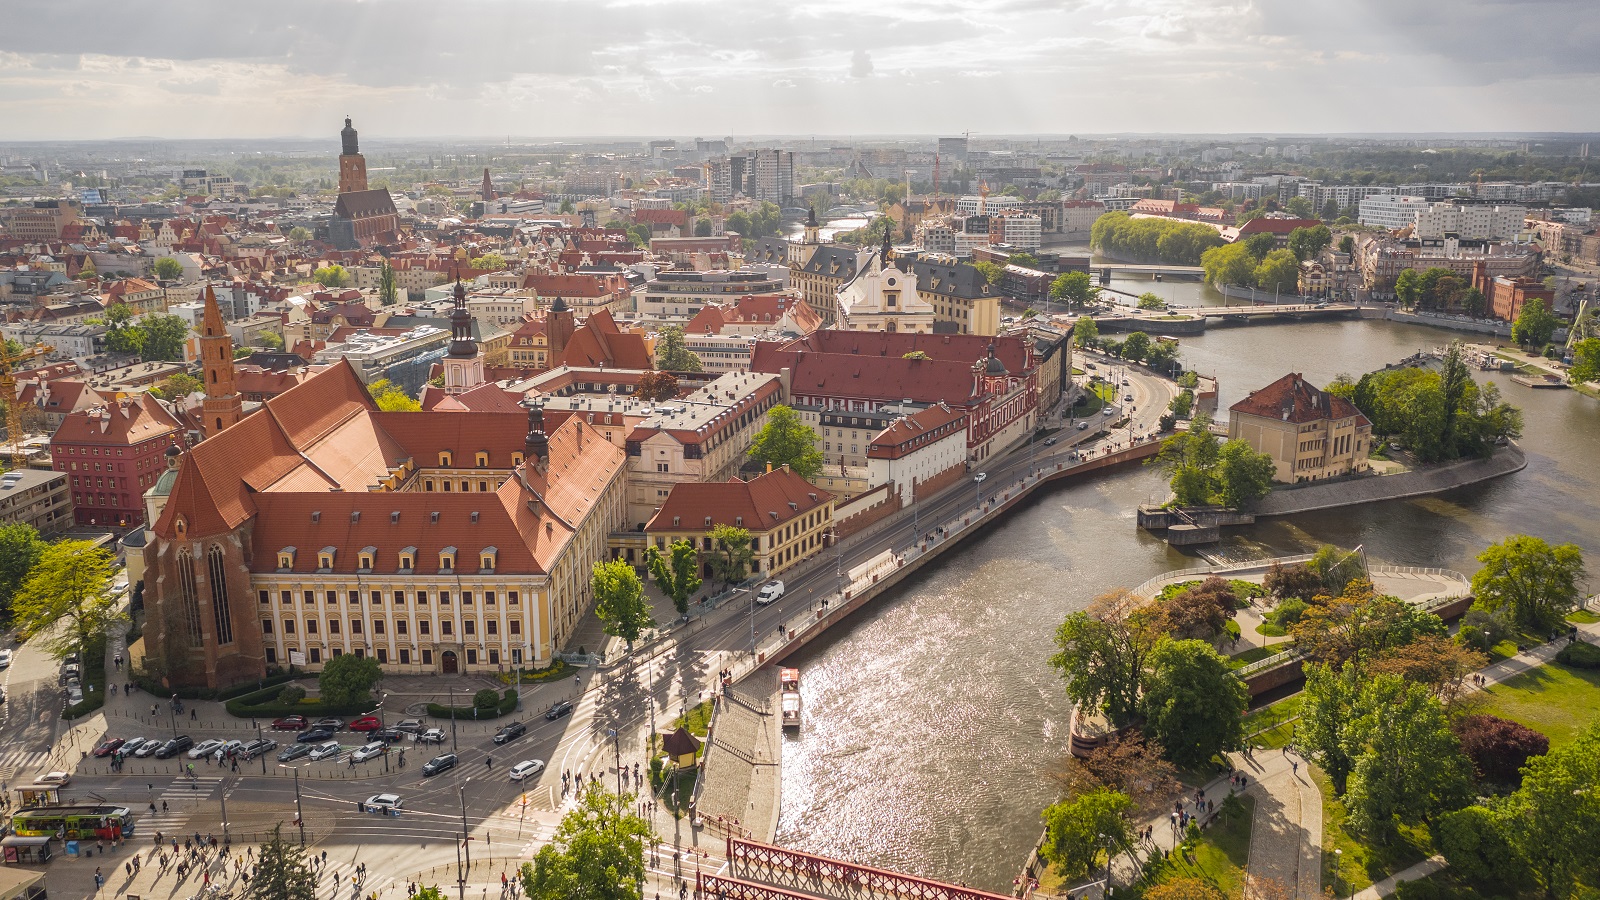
[{"x": 764, "y": 173}]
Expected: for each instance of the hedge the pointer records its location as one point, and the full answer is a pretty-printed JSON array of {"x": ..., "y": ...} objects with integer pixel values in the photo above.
[
  {"x": 506, "y": 706},
  {"x": 1580, "y": 656},
  {"x": 557, "y": 669},
  {"x": 93, "y": 666},
  {"x": 260, "y": 705}
]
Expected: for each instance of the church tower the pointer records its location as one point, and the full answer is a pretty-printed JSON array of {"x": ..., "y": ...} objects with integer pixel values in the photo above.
[
  {"x": 222, "y": 405},
  {"x": 352, "y": 165},
  {"x": 813, "y": 230},
  {"x": 463, "y": 364},
  {"x": 488, "y": 187},
  {"x": 559, "y": 324}
]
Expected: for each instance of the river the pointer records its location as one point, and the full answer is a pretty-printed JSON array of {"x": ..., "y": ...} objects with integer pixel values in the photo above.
[{"x": 933, "y": 721}]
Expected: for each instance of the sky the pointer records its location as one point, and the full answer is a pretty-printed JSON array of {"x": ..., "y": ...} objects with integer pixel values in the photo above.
[{"x": 71, "y": 69}]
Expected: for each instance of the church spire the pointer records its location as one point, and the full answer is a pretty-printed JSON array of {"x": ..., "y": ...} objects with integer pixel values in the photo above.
[
  {"x": 463, "y": 364},
  {"x": 352, "y": 165},
  {"x": 223, "y": 407}
]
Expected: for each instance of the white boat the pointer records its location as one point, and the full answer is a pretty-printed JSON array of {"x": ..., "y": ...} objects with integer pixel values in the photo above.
[{"x": 789, "y": 697}]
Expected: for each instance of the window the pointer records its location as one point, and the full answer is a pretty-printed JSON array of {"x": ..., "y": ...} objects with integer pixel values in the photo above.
[
  {"x": 516, "y": 626},
  {"x": 444, "y": 598},
  {"x": 444, "y": 458},
  {"x": 493, "y": 626},
  {"x": 511, "y": 597},
  {"x": 354, "y": 597},
  {"x": 286, "y": 559},
  {"x": 272, "y": 654},
  {"x": 400, "y": 626},
  {"x": 316, "y": 654},
  {"x": 447, "y": 559},
  {"x": 333, "y": 626},
  {"x": 383, "y": 656},
  {"x": 427, "y": 657},
  {"x": 311, "y": 626},
  {"x": 424, "y": 627},
  {"x": 325, "y": 558},
  {"x": 288, "y": 626},
  {"x": 310, "y": 597},
  {"x": 221, "y": 611},
  {"x": 422, "y": 598},
  {"x": 408, "y": 558},
  {"x": 482, "y": 459},
  {"x": 470, "y": 627},
  {"x": 264, "y": 596},
  {"x": 472, "y": 656},
  {"x": 494, "y": 657},
  {"x": 488, "y": 598},
  {"x": 466, "y": 598},
  {"x": 399, "y": 598},
  {"x": 365, "y": 557},
  {"x": 284, "y": 596},
  {"x": 377, "y": 598},
  {"x": 332, "y": 597},
  {"x": 405, "y": 656},
  {"x": 486, "y": 558},
  {"x": 266, "y": 626}
]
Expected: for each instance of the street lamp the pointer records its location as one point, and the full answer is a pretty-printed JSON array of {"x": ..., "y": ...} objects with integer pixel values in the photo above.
[
  {"x": 299, "y": 814},
  {"x": 466, "y": 842},
  {"x": 1338, "y": 858}
]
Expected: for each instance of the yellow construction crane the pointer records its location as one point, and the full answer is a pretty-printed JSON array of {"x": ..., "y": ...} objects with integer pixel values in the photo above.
[{"x": 8, "y": 396}]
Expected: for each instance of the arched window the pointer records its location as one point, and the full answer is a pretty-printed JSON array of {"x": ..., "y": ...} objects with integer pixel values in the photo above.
[
  {"x": 188, "y": 598},
  {"x": 218, "y": 570}
]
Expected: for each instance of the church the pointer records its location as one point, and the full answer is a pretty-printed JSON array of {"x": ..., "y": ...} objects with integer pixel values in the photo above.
[
  {"x": 360, "y": 217},
  {"x": 319, "y": 525}
]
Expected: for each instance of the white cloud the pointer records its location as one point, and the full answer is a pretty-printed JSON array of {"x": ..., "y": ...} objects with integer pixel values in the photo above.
[{"x": 860, "y": 64}]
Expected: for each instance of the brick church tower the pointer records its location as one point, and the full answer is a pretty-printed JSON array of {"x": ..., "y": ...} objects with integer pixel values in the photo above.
[
  {"x": 352, "y": 165},
  {"x": 223, "y": 406}
]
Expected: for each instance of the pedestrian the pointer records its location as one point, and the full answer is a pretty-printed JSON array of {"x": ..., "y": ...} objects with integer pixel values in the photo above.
[
  {"x": 194, "y": 715},
  {"x": 163, "y": 806},
  {"x": 1294, "y": 766}
]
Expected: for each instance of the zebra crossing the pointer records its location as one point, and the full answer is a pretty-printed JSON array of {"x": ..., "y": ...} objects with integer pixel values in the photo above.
[
  {"x": 20, "y": 761},
  {"x": 341, "y": 873},
  {"x": 176, "y": 801}
]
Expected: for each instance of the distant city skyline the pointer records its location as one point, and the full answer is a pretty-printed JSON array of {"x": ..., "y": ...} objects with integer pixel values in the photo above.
[{"x": 548, "y": 68}]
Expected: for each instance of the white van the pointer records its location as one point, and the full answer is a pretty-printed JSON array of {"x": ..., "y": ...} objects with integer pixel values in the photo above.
[{"x": 769, "y": 593}]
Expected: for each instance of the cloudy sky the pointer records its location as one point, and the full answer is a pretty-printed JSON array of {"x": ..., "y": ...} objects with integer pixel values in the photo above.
[{"x": 549, "y": 68}]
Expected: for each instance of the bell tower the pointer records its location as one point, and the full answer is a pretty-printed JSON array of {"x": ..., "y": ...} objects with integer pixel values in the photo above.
[
  {"x": 352, "y": 165},
  {"x": 463, "y": 364},
  {"x": 223, "y": 407}
]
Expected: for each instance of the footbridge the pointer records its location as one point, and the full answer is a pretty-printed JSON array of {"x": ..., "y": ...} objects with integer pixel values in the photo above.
[
  {"x": 758, "y": 871},
  {"x": 1223, "y": 315},
  {"x": 1157, "y": 271}
]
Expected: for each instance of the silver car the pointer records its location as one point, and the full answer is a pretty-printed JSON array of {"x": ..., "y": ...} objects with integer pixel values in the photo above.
[{"x": 328, "y": 750}]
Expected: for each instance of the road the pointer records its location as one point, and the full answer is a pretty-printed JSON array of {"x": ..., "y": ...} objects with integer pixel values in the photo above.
[{"x": 507, "y": 821}]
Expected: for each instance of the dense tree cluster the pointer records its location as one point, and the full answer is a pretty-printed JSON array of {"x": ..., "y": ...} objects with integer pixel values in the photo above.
[
  {"x": 1154, "y": 239},
  {"x": 1440, "y": 415},
  {"x": 1438, "y": 289},
  {"x": 1206, "y": 471}
]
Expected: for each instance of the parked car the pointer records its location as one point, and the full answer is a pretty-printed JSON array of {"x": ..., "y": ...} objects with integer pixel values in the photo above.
[
  {"x": 175, "y": 746},
  {"x": 432, "y": 736},
  {"x": 326, "y": 750},
  {"x": 333, "y": 722},
  {"x": 289, "y": 723},
  {"x": 205, "y": 748},
  {"x": 369, "y": 751},
  {"x": 227, "y": 751},
  {"x": 769, "y": 593},
  {"x": 257, "y": 748},
  {"x": 132, "y": 745},
  {"x": 528, "y": 768},
  {"x": 439, "y": 764},
  {"x": 510, "y": 732},
  {"x": 409, "y": 726},
  {"x": 388, "y": 735},
  {"x": 148, "y": 748},
  {"x": 74, "y": 692},
  {"x": 1049, "y": 442},
  {"x": 559, "y": 709},
  {"x": 5, "y": 658},
  {"x": 383, "y": 801},
  {"x": 108, "y": 747},
  {"x": 70, "y": 672},
  {"x": 366, "y": 723},
  {"x": 294, "y": 752},
  {"x": 314, "y": 735}
]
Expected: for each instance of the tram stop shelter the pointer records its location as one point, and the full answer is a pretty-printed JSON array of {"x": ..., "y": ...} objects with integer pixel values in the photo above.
[{"x": 23, "y": 850}]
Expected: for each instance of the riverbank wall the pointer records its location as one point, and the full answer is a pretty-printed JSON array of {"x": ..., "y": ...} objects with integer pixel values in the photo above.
[
  {"x": 1287, "y": 500},
  {"x": 741, "y": 774},
  {"x": 1188, "y": 326}
]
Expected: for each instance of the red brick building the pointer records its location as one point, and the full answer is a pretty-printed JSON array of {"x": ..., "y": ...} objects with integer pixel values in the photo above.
[{"x": 112, "y": 453}]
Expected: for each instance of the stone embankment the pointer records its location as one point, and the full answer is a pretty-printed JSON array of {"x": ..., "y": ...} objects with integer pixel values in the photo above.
[
  {"x": 741, "y": 772},
  {"x": 1287, "y": 501}
]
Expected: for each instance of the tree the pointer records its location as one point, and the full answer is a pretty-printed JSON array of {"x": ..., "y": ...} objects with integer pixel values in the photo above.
[
  {"x": 678, "y": 575},
  {"x": 1306, "y": 243},
  {"x": 388, "y": 289},
  {"x": 176, "y": 386},
  {"x": 165, "y": 337},
  {"x": 20, "y": 549},
  {"x": 654, "y": 387},
  {"x": 332, "y": 275},
  {"x": 619, "y": 600},
  {"x": 597, "y": 852},
  {"x": 1188, "y": 887},
  {"x": 1085, "y": 331},
  {"x": 1151, "y": 301},
  {"x": 1534, "y": 324},
  {"x": 299, "y": 234},
  {"x": 1278, "y": 271},
  {"x": 787, "y": 441},
  {"x": 1328, "y": 707},
  {"x": 1231, "y": 264},
  {"x": 281, "y": 871},
  {"x": 1136, "y": 347},
  {"x": 1473, "y": 302},
  {"x": 702, "y": 228},
  {"x": 672, "y": 354},
  {"x": 348, "y": 678},
  {"x": 731, "y": 554},
  {"x": 168, "y": 268},
  {"x": 1074, "y": 288},
  {"x": 1162, "y": 356},
  {"x": 1537, "y": 582},
  {"x": 1498, "y": 748},
  {"x": 271, "y": 340},
  {"x": 566, "y": 207},
  {"x": 1585, "y": 361},
  {"x": 1260, "y": 244},
  {"x": 1347, "y": 244},
  {"x": 1336, "y": 567},
  {"x": 1434, "y": 661},
  {"x": 639, "y": 234},
  {"x": 1359, "y": 622},
  {"x": 70, "y": 584},
  {"x": 1189, "y": 458},
  {"x": 1476, "y": 841},
  {"x": 1077, "y": 830},
  {"x": 1242, "y": 475},
  {"x": 1026, "y": 260},
  {"x": 1102, "y": 656},
  {"x": 1554, "y": 817},
  {"x": 1300, "y": 208},
  {"x": 391, "y": 397},
  {"x": 992, "y": 272},
  {"x": 1128, "y": 763},
  {"x": 1410, "y": 766},
  {"x": 1198, "y": 613},
  {"x": 1193, "y": 703},
  {"x": 1407, "y": 288}
]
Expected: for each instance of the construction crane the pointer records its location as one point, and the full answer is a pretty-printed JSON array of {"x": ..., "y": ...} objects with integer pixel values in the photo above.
[{"x": 8, "y": 396}]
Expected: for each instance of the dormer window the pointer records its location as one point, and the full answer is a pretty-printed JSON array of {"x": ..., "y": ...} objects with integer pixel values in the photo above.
[
  {"x": 444, "y": 458},
  {"x": 408, "y": 559},
  {"x": 286, "y": 559},
  {"x": 486, "y": 559},
  {"x": 325, "y": 559},
  {"x": 447, "y": 559},
  {"x": 365, "y": 558},
  {"x": 483, "y": 459},
  {"x": 516, "y": 460}
]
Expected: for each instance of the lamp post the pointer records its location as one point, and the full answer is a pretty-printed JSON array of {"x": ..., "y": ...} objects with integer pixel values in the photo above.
[
  {"x": 454, "y": 748},
  {"x": 259, "y": 739},
  {"x": 1338, "y": 858},
  {"x": 466, "y": 842},
  {"x": 299, "y": 814},
  {"x": 172, "y": 711}
]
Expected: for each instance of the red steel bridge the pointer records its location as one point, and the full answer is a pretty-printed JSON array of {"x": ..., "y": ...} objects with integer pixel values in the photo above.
[{"x": 763, "y": 872}]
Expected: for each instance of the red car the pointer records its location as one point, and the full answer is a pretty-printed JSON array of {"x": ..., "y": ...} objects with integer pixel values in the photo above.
[
  {"x": 109, "y": 747},
  {"x": 366, "y": 723},
  {"x": 290, "y": 723}
]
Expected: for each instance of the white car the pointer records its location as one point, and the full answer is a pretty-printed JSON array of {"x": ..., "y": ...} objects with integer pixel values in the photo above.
[
  {"x": 326, "y": 751},
  {"x": 432, "y": 736},
  {"x": 383, "y": 801},
  {"x": 205, "y": 748},
  {"x": 227, "y": 749},
  {"x": 368, "y": 751},
  {"x": 769, "y": 593},
  {"x": 58, "y": 779},
  {"x": 5, "y": 658},
  {"x": 526, "y": 769}
]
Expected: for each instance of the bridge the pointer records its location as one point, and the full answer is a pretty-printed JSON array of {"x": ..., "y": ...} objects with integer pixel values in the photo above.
[
  {"x": 757, "y": 871},
  {"x": 1155, "y": 270},
  {"x": 1238, "y": 314}
]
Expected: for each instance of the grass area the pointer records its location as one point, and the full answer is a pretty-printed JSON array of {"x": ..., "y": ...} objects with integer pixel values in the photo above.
[
  {"x": 1271, "y": 727},
  {"x": 1270, "y": 630},
  {"x": 1218, "y": 857},
  {"x": 1551, "y": 699},
  {"x": 1503, "y": 650},
  {"x": 1091, "y": 405},
  {"x": 1240, "y": 660},
  {"x": 697, "y": 720},
  {"x": 1359, "y": 863},
  {"x": 1582, "y": 617}
]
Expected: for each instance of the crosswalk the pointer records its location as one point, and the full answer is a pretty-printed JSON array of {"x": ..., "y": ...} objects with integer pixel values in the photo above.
[
  {"x": 20, "y": 761},
  {"x": 178, "y": 799},
  {"x": 341, "y": 873}
]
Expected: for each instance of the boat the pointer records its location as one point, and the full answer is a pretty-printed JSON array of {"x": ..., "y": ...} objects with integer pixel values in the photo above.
[{"x": 789, "y": 698}]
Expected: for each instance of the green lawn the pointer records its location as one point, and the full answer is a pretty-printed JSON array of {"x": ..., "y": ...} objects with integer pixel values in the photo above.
[
  {"x": 1219, "y": 857},
  {"x": 1551, "y": 699},
  {"x": 1582, "y": 617},
  {"x": 1270, "y": 630},
  {"x": 1503, "y": 650},
  {"x": 1240, "y": 660},
  {"x": 1360, "y": 864},
  {"x": 1271, "y": 727}
]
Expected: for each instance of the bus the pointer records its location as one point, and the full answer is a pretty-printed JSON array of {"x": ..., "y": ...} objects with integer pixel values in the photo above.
[{"x": 74, "y": 823}]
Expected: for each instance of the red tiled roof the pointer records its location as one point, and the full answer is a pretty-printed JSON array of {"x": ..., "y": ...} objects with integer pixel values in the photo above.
[
  {"x": 963, "y": 348},
  {"x": 899, "y": 439},
  {"x": 1270, "y": 225},
  {"x": 122, "y": 422},
  {"x": 676, "y": 217},
  {"x": 1293, "y": 399},
  {"x": 761, "y": 504},
  {"x": 599, "y": 342},
  {"x": 886, "y": 378}
]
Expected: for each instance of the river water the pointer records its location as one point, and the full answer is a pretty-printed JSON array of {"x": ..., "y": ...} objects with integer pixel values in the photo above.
[{"x": 933, "y": 720}]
